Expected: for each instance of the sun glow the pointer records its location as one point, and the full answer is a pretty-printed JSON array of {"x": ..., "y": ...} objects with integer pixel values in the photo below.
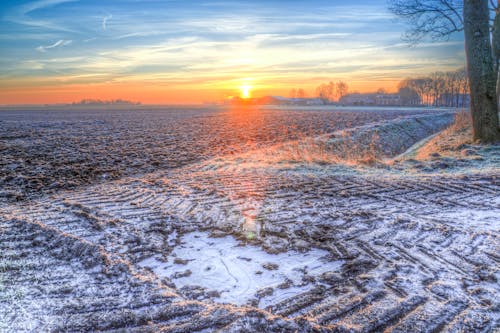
[{"x": 246, "y": 91}]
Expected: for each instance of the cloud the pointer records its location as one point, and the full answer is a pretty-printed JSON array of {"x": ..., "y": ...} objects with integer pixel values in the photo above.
[
  {"x": 31, "y": 6},
  {"x": 209, "y": 47},
  {"x": 20, "y": 14},
  {"x": 61, "y": 42},
  {"x": 105, "y": 21},
  {"x": 31, "y": 65}
]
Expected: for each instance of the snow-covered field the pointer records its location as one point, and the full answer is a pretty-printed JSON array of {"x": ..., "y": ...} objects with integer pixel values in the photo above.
[
  {"x": 46, "y": 151},
  {"x": 242, "y": 239}
]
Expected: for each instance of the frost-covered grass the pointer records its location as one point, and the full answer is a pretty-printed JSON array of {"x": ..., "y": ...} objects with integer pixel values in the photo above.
[
  {"x": 450, "y": 151},
  {"x": 362, "y": 145},
  {"x": 320, "y": 151},
  {"x": 6, "y": 265},
  {"x": 451, "y": 140},
  {"x": 11, "y": 265}
]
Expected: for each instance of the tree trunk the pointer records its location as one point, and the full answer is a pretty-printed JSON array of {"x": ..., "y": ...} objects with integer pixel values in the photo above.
[
  {"x": 481, "y": 71},
  {"x": 495, "y": 41}
]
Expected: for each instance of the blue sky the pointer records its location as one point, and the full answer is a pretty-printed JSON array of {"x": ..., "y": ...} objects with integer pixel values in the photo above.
[{"x": 188, "y": 51}]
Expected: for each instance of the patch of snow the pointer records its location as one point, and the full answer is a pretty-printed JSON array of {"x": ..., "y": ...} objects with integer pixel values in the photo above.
[
  {"x": 239, "y": 272},
  {"x": 478, "y": 219}
]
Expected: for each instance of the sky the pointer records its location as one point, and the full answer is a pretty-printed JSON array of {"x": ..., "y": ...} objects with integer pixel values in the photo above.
[{"x": 183, "y": 52}]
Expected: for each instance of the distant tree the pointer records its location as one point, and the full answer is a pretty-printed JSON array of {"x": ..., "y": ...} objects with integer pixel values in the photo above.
[
  {"x": 441, "y": 18},
  {"x": 342, "y": 89},
  {"x": 450, "y": 88},
  {"x": 381, "y": 91},
  {"x": 330, "y": 91},
  {"x": 298, "y": 93},
  {"x": 301, "y": 93},
  {"x": 420, "y": 86},
  {"x": 408, "y": 95},
  {"x": 463, "y": 86},
  {"x": 437, "y": 87},
  {"x": 326, "y": 91}
]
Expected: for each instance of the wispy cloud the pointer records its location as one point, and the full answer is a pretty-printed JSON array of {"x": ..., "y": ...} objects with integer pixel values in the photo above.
[
  {"x": 61, "y": 42},
  {"x": 105, "y": 21},
  {"x": 20, "y": 14},
  {"x": 31, "y": 6}
]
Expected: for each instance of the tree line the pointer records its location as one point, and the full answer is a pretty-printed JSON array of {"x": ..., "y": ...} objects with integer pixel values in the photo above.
[
  {"x": 328, "y": 92},
  {"x": 450, "y": 89}
]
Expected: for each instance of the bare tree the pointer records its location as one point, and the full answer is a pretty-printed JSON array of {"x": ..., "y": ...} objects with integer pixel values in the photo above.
[
  {"x": 326, "y": 91},
  {"x": 330, "y": 91},
  {"x": 437, "y": 18},
  {"x": 437, "y": 87},
  {"x": 341, "y": 89},
  {"x": 301, "y": 93},
  {"x": 422, "y": 87},
  {"x": 427, "y": 87},
  {"x": 441, "y": 18},
  {"x": 408, "y": 95},
  {"x": 450, "y": 88},
  {"x": 463, "y": 86}
]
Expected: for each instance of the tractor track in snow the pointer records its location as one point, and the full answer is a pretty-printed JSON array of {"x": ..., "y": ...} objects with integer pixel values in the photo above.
[
  {"x": 408, "y": 264},
  {"x": 419, "y": 253}
]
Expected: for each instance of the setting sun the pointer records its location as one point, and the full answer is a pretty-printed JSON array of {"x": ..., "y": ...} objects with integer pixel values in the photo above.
[{"x": 246, "y": 91}]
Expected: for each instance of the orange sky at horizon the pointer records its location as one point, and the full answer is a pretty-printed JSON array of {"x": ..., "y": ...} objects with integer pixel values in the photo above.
[{"x": 149, "y": 93}]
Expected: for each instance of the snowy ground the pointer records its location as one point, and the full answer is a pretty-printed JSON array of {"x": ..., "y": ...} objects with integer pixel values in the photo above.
[
  {"x": 237, "y": 273},
  {"x": 235, "y": 243}
]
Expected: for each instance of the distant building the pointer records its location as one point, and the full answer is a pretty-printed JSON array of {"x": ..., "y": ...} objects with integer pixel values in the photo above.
[
  {"x": 388, "y": 99},
  {"x": 98, "y": 102},
  {"x": 371, "y": 99},
  {"x": 274, "y": 100},
  {"x": 358, "y": 99},
  {"x": 297, "y": 101},
  {"x": 279, "y": 100},
  {"x": 314, "y": 101}
]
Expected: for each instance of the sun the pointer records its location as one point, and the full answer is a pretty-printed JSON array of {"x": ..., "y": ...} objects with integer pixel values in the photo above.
[{"x": 246, "y": 91}]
